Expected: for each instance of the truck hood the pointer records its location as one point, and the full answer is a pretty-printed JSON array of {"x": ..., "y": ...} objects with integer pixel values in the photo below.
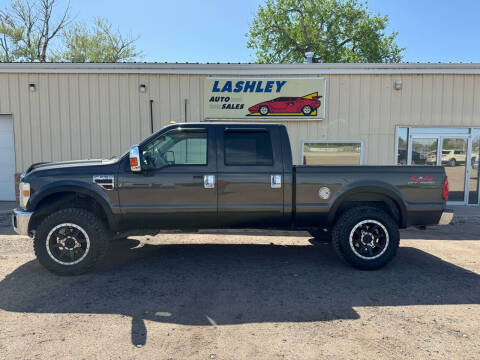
[{"x": 68, "y": 164}]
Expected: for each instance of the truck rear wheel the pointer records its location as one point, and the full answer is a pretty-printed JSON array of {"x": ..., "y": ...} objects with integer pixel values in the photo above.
[
  {"x": 366, "y": 237},
  {"x": 70, "y": 241}
]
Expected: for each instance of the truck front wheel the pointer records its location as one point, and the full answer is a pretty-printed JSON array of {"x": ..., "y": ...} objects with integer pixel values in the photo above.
[
  {"x": 366, "y": 237},
  {"x": 70, "y": 241}
]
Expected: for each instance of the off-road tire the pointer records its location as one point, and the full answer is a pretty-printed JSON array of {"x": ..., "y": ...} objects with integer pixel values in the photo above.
[
  {"x": 348, "y": 220},
  {"x": 93, "y": 226}
]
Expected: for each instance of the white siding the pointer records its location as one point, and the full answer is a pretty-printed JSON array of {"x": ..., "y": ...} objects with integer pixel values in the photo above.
[{"x": 73, "y": 116}]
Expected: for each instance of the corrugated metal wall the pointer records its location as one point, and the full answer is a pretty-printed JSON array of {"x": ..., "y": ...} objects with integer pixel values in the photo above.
[{"x": 74, "y": 116}]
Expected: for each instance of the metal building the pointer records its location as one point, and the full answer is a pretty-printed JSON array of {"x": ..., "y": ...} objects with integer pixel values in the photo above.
[{"x": 335, "y": 113}]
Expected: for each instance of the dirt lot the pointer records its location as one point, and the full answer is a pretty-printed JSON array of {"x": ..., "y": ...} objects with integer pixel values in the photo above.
[{"x": 246, "y": 296}]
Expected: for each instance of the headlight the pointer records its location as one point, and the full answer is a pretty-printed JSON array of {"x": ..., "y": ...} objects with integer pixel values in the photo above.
[{"x": 24, "y": 190}]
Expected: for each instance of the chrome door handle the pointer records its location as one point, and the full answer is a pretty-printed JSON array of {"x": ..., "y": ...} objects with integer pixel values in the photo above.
[
  {"x": 276, "y": 181},
  {"x": 209, "y": 181}
]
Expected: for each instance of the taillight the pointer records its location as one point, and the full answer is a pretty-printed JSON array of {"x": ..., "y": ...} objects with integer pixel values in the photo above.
[{"x": 445, "y": 189}]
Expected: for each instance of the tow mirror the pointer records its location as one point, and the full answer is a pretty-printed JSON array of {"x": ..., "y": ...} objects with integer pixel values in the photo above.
[
  {"x": 135, "y": 159},
  {"x": 170, "y": 157}
]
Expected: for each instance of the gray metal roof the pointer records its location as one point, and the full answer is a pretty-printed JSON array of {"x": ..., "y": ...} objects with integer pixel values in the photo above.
[{"x": 242, "y": 68}]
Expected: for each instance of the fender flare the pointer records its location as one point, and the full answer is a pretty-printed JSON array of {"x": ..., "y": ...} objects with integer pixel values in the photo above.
[
  {"x": 376, "y": 187},
  {"x": 90, "y": 190}
]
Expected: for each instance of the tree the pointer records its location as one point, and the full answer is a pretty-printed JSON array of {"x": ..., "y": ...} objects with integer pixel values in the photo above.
[
  {"x": 28, "y": 28},
  {"x": 334, "y": 30},
  {"x": 99, "y": 44}
]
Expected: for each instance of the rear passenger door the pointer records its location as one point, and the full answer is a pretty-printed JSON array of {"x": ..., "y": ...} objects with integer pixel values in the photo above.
[{"x": 250, "y": 176}]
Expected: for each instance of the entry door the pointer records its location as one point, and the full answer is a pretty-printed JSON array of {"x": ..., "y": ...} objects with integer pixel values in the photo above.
[
  {"x": 7, "y": 160},
  {"x": 250, "y": 177},
  {"x": 454, "y": 157},
  {"x": 452, "y": 153}
]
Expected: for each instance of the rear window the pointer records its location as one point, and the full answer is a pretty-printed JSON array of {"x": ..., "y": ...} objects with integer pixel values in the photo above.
[{"x": 248, "y": 148}]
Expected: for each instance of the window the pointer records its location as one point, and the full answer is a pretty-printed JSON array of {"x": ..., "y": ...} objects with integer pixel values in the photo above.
[
  {"x": 176, "y": 147},
  {"x": 248, "y": 148},
  {"x": 332, "y": 153},
  {"x": 402, "y": 144}
]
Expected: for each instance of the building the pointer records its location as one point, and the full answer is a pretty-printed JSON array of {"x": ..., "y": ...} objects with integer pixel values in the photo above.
[{"x": 335, "y": 113}]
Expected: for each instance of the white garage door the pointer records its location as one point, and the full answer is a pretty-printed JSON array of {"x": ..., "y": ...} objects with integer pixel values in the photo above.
[{"x": 7, "y": 159}]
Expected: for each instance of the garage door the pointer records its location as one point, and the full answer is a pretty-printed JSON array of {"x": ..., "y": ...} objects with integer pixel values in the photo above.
[{"x": 7, "y": 159}]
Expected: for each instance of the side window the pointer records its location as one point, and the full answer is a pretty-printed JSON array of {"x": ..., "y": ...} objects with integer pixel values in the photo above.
[
  {"x": 332, "y": 153},
  {"x": 248, "y": 148},
  {"x": 176, "y": 147}
]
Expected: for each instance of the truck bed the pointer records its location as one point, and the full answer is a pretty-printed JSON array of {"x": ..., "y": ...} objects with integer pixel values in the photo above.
[{"x": 415, "y": 192}]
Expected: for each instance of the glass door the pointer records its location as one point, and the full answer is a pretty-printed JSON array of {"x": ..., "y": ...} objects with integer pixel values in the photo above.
[
  {"x": 423, "y": 150},
  {"x": 451, "y": 152},
  {"x": 454, "y": 160}
]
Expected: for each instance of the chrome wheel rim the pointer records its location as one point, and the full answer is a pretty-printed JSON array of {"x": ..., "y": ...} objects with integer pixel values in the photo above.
[
  {"x": 67, "y": 244},
  {"x": 307, "y": 110},
  {"x": 264, "y": 110},
  {"x": 369, "y": 239}
]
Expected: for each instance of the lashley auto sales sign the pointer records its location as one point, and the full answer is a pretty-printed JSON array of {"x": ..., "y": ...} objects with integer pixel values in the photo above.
[{"x": 264, "y": 98}]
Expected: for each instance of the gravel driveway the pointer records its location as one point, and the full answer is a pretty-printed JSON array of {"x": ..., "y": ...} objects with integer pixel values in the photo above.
[{"x": 246, "y": 295}]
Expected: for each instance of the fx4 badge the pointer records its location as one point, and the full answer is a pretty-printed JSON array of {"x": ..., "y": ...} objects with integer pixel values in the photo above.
[{"x": 424, "y": 179}]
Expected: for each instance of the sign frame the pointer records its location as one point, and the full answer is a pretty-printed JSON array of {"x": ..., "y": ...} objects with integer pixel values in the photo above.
[{"x": 266, "y": 118}]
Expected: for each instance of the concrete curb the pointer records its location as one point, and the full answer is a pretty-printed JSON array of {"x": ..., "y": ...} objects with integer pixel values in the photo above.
[{"x": 466, "y": 219}]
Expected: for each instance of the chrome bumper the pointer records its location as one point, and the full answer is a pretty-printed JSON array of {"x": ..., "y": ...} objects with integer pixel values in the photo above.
[
  {"x": 20, "y": 221},
  {"x": 446, "y": 217}
]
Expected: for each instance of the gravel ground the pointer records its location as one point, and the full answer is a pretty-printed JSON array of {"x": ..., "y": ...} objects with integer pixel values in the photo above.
[{"x": 245, "y": 295}]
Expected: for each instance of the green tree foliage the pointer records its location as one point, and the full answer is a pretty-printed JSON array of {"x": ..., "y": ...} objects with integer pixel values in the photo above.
[
  {"x": 28, "y": 28},
  {"x": 40, "y": 30},
  {"x": 335, "y": 30},
  {"x": 99, "y": 44}
]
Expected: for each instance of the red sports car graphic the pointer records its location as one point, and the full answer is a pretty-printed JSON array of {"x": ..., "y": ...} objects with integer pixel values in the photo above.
[{"x": 306, "y": 105}]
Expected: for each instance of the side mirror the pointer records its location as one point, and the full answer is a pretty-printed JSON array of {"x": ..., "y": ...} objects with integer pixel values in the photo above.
[
  {"x": 135, "y": 159},
  {"x": 170, "y": 157}
]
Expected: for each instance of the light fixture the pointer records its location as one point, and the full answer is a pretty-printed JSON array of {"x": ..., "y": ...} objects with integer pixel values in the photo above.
[
  {"x": 398, "y": 84},
  {"x": 142, "y": 88},
  {"x": 32, "y": 87}
]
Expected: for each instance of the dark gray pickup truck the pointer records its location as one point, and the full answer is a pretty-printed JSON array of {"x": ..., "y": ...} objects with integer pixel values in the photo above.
[{"x": 222, "y": 175}]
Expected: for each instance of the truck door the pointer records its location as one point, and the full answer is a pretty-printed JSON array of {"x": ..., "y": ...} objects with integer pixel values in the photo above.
[
  {"x": 250, "y": 176},
  {"x": 177, "y": 184}
]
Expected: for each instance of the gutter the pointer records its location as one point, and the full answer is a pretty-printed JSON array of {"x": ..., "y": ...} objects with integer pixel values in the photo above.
[{"x": 239, "y": 69}]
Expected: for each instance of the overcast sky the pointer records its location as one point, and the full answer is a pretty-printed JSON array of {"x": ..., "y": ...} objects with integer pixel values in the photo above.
[{"x": 214, "y": 30}]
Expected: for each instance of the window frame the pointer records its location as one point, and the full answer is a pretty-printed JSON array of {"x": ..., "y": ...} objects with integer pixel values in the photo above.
[
  {"x": 246, "y": 131},
  {"x": 362, "y": 149},
  {"x": 177, "y": 129}
]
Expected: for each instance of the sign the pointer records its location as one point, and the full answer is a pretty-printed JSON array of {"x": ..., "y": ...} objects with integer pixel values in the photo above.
[{"x": 255, "y": 99}]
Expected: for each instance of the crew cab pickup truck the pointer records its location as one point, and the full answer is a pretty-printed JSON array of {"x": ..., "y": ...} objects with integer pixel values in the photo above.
[{"x": 222, "y": 175}]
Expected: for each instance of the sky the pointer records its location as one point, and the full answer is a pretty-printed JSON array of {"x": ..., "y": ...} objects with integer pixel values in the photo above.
[{"x": 214, "y": 30}]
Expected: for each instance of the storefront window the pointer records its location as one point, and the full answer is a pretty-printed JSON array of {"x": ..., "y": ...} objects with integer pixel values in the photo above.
[
  {"x": 332, "y": 153},
  {"x": 402, "y": 139}
]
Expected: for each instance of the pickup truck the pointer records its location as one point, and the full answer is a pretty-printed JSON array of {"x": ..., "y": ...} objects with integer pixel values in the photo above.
[{"x": 222, "y": 175}]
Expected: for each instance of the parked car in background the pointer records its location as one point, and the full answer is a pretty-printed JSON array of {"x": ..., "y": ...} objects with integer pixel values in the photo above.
[
  {"x": 416, "y": 158},
  {"x": 475, "y": 161},
  {"x": 287, "y": 105},
  {"x": 449, "y": 157}
]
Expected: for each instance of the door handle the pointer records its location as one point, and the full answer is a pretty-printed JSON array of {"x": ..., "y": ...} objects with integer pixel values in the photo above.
[
  {"x": 209, "y": 181},
  {"x": 276, "y": 181}
]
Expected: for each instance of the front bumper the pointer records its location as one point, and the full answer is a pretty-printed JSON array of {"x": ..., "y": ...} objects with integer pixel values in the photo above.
[
  {"x": 446, "y": 217},
  {"x": 21, "y": 221}
]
